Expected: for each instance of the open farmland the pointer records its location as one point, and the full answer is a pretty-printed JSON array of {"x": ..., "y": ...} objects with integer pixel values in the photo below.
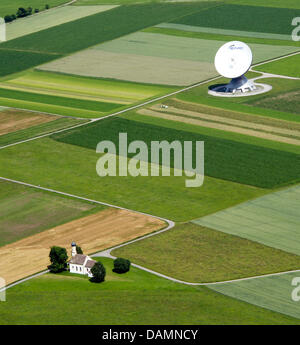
[
  {"x": 154, "y": 58},
  {"x": 288, "y": 66},
  {"x": 224, "y": 159},
  {"x": 93, "y": 232},
  {"x": 34, "y": 211},
  {"x": 91, "y": 33},
  {"x": 122, "y": 299},
  {"x": 272, "y": 219},
  {"x": 194, "y": 253},
  {"x": 271, "y": 3},
  {"x": 37, "y": 130},
  {"x": 13, "y": 61},
  {"x": 52, "y": 17},
  {"x": 165, "y": 197},
  {"x": 272, "y": 293},
  {"x": 258, "y": 105},
  {"x": 240, "y": 18},
  {"x": 11, "y": 6},
  {"x": 15, "y": 120},
  {"x": 72, "y": 95},
  {"x": 79, "y": 74},
  {"x": 265, "y": 131}
]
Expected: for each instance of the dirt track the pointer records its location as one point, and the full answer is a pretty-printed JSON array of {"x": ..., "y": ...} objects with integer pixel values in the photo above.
[
  {"x": 93, "y": 233},
  {"x": 13, "y": 120}
]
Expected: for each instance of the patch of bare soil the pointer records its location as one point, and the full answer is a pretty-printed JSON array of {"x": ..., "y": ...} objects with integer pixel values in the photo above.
[{"x": 93, "y": 233}]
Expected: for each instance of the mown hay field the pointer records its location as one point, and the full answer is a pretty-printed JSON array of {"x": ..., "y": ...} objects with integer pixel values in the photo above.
[
  {"x": 271, "y": 293},
  {"x": 272, "y": 219},
  {"x": 194, "y": 253},
  {"x": 154, "y": 58}
]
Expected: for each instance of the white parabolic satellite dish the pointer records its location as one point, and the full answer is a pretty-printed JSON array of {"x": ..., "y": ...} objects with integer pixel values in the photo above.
[{"x": 233, "y": 59}]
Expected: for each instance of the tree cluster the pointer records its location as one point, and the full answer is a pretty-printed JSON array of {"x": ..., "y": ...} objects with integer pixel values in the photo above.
[{"x": 21, "y": 13}]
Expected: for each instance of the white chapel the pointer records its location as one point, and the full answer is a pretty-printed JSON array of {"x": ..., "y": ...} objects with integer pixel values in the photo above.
[{"x": 80, "y": 264}]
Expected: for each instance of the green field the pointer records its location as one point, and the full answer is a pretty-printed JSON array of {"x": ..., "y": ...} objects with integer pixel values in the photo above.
[
  {"x": 11, "y": 6},
  {"x": 120, "y": 20},
  {"x": 37, "y": 130},
  {"x": 56, "y": 104},
  {"x": 288, "y": 66},
  {"x": 13, "y": 61},
  {"x": 270, "y": 3},
  {"x": 272, "y": 219},
  {"x": 224, "y": 159},
  {"x": 240, "y": 18},
  {"x": 83, "y": 88},
  {"x": 72, "y": 95},
  {"x": 236, "y": 137},
  {"x": 277, "y": 110},
  {"x": 206, "y": 33},
  {"x": 122, "y": 299},
  {"x": 197, "y": 254},
  {"x": 76, "y": 174},
  {"x": 26, "y": 211},
  {"x": 157, "y": 58},
  {"x": 273, "y": 293},
  {"x": 53, "y": 17}
]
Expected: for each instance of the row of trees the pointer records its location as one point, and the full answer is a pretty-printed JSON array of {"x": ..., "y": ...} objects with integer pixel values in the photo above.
[
  {"x": 59, "y": 263},
  {"x": 22, "y": 12}
]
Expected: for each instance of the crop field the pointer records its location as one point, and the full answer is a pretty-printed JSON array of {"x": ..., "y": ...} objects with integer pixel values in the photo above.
[
  {"x": 72, "y": 95},
  {"x": 271, "y": 3},
  {"x": 37, "y": 129},
  {"x": 122, "y": 299},
  {"x": 34, "y": 211},
  {"x": 80, "y": 74},
  {"x": 194, "y": 253},
  {"x": 13, "y": 61},
  {"x": 52, "y": 17},
  {"x": 221, "y": 122},
  {"x": 14, "y": 120},
  {"x": 272, "y": 293},
  {"x": 154, "y": 58},
  {"x": 11, "y": 6},
  {"x": 240, "y": 18},
  {"x": 260, "y": 105},
  {"x": 232, "y": 161},
  {"x": 288, "y": 66},
  {"x": 272, "y": 219},
  {"x": 90, "y": 33},
  {"x": 94, "y": 232},
  {"x": 165, "y": 197}
]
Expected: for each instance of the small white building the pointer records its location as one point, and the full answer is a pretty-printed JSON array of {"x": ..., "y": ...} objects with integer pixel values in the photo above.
[{"x": 80, "y": 264}]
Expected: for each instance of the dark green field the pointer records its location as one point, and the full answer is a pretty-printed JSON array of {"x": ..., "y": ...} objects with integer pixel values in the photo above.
[
  {"x": 134, "y": 298},
  {"x": 58, "y": 100},
  {"x": 224, "y": 159},
  {"x": 85, "y": 32},
  {"x": 12, "y": 61},
  {"x": 243, "y": 18}
]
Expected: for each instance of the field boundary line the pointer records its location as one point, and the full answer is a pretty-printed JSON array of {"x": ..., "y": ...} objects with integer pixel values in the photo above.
[
  {"x": 144, "y": 103},
  {"x": 275, "y": 59},
  {"x": 107, "y": 252},
  {"x": 115, "y": 113}
]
